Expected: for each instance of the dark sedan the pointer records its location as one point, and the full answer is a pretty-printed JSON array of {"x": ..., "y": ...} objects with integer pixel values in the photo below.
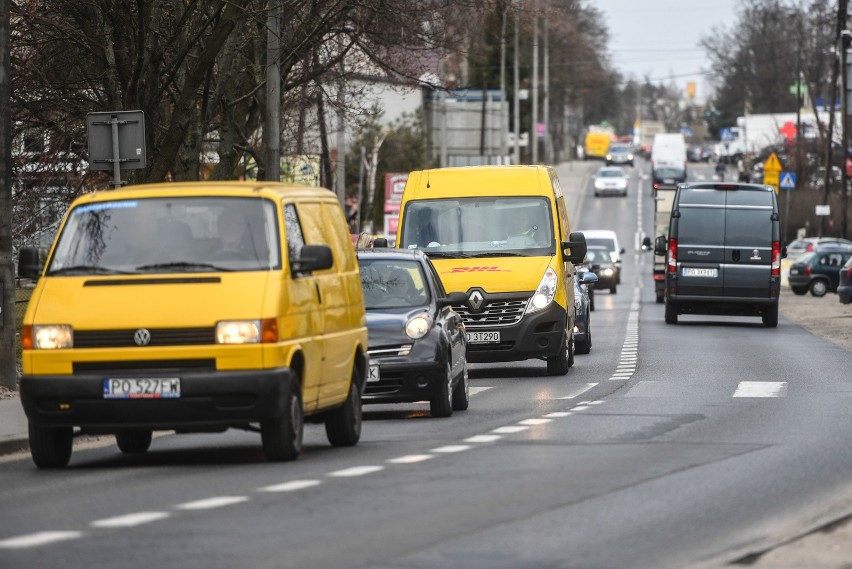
[
  {"x": 600, "y": 261},
  {"x": 416, "y": 341},
  {"x": 844, "y": 288},
  {"x": 582, "y": 311},
  {"x": 818, "y": 270}
]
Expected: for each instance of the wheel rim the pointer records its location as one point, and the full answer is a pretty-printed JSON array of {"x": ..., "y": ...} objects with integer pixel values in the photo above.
[{"x": 819, "y": 288}]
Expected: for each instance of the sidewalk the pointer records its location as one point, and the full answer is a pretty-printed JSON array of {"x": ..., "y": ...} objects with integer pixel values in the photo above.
[{"x": 13, "y": 426}]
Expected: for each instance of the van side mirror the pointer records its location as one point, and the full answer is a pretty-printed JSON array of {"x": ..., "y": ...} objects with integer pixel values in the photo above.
[
  {"x": 29, "y": 266},
  {"x": 577, "y": 244},
  {"x": 660, "y": 245},
  {"x": 313, "y": 258},
  {"x": 452, "y": 298},
  {"x": 380, "y": 243},
  {"x": 646, "y": 244}
]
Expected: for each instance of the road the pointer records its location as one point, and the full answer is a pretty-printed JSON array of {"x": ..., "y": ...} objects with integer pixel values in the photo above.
[{"x": 668, "y": 446}]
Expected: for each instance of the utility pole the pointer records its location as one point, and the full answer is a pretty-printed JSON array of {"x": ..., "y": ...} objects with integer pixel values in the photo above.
[
  {"x": 8, "y": 374},
  {"x": 534, "y": 119},
  {"x": 548, "y": 142},
  {"x": 272, "y": 120},
  {"x": 516, "y": 157},
  {"x": 845, "y": 37},
  {"x": 504, "y": 122}
]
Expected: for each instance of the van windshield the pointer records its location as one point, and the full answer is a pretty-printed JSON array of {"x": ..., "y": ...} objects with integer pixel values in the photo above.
[
  {"x": 168, "y": 235},
  {"x": 481, "y": 226}
]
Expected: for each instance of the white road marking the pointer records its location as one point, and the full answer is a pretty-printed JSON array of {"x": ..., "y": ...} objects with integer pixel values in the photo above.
[
  {"x": 40, "y": 538},
  {"x": 210, "y": 503},
  {"x": 533, "y": 422},
  {"x": 411, "y": 458},
  {"x": 355, "y": 471},
  {"x": 509, "y": 429},
  {"x": 290, "y": 486},
  {"x": 483, "y": 439},
  {"x": 761, "y": 389},
  {"x": 452, "y": 448},
  {"x": 474, "y": 390},
  {"x": 558, "y": 414},
  {"x": 596, "y": 403},
  {"x": 130, "y": 520},
  {"x": 580, "y": 408},
  {"x": 580, "y": 391}
]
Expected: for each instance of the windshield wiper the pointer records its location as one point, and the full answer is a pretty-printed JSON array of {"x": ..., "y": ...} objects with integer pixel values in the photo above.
[
  {"x": 87, "y": 269},
  {"x": 447, "y": 255},
  {"x": 182, "y": 265},
  {"x": 498, "y": 254}
]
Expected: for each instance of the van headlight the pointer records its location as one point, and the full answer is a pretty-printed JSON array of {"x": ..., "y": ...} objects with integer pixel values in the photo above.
[
  {"x": 238, "y": 332},
  {"x": 545, "y": 292},
  {"x": 53, "y": 337},
  {"x": 418, "y": 326}
]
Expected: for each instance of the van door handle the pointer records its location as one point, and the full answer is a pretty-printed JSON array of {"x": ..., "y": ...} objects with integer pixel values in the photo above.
[
  {"x": 319, "y": 294},
  {"x": 736, "y": 255}
]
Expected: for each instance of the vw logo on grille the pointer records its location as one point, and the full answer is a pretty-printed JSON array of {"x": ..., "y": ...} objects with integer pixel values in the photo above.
[
  {"x": 476, "y": 299},
  {"x": 142, "y": 337}
]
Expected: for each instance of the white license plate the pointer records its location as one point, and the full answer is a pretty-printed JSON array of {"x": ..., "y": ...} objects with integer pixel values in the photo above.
[
  {"x": 142, "y": 388},
  {"x": 373, "y": 373},
  {"x": 482, "y": 337},
  {"x": 794, "y": 271},
  {"x": 693, "y": 272}
]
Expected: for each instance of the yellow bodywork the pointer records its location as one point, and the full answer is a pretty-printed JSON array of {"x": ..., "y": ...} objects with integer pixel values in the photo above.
[{"x": 596, "y": 144}]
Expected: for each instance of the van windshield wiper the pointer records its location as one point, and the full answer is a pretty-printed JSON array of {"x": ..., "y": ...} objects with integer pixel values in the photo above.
[
  {"x": 498, "y": 254},
  {"x": 86, "y": 269},
  {"x": 182, "y": 265},
  {"x": 447, "y": 255}
]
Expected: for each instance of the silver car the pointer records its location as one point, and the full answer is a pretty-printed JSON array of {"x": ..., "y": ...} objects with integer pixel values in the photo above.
[{"x": 611, "y": 180}]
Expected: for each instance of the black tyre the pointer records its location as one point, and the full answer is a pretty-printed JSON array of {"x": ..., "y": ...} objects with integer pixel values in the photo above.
[
  {"x": 585, "y": 346},
  {"x": 660, "y": 298},
  {"x": 51, "y": 448},
  {"x": 282, "y": 437},
  {"x": 819, "y": 287},
  {"x": 671, "y": 313},
  {"x": 770, "y": 316},
  {"x": 343, "y": 425},
  {"x": 799, "y": 290},
  {"x": 613, "y": 289},
  {"x": 559, "y": 365},
  {"x": 441, "y": 403},
  {"x": 591, "y": 301},
  {"x": 134, "y": 442},
  {"x": 461, "y": 394}
]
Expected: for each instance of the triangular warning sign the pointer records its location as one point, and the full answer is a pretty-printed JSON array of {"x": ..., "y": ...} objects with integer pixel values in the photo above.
[{"x": 772, "y": 163}]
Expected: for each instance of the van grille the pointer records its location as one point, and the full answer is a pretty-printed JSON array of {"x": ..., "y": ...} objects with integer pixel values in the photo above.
[
  {"x": 159, "y": 337},
  {"x": 145, "y": 366},
  {"x": 495, "y": 313}
]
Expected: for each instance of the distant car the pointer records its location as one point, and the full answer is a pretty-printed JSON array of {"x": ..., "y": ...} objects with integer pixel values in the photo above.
[
  {"x": 602, "y": 265},
  {"x": 806, "y": 244},
  {"x": 619, "y": 154},
  {"x": 818, "y": 271},
  {"x": 582, "y": 310},
  {"x": 416, "y": 341},
  {"x": 608, "y": 239},
  {"x": 667, "y": 176},
  {"x": 611, "y": 180},
  {"x": 844, "y": 287}
]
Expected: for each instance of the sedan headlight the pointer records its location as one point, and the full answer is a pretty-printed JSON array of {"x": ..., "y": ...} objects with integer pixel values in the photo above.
[
  {"x": 53, "y": 337},
  {"x": 418, "y": 326},
  {"x": 599, "y": 184},
  {"x": 545, "y": 292},
  {"x": 607, "y": 272},
  {"x": 238, "y": 332}
]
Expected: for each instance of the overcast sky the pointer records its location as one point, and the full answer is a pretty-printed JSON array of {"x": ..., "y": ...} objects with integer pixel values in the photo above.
[{"x": 660, "y": 38}]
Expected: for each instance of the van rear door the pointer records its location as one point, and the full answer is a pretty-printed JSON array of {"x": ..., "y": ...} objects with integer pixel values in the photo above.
[
  {"x": 701, "y": 242},
  {"x": 748, "y": 243}
]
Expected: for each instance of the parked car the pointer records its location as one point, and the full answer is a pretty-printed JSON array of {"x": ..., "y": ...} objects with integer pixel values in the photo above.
[
  {"x": 611, "y": 180},
  {"x": 582, "y": 309},
  {"x": 602, "y": 265},
  {"x": 607, "y": 238},
  {"x": 619, "y": 154},
  {"x": 818, "y": 271},
  {"x": 806, "y": 244},
  {"x": 416, "y": 341},
  {"x": 844, "y": 287}
]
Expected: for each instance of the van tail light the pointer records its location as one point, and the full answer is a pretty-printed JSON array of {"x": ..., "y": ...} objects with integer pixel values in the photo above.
[
  {"x": 656, "y": 186},
  {"x": 672, "y": 257},
  {"x": 776, "y": 259}
]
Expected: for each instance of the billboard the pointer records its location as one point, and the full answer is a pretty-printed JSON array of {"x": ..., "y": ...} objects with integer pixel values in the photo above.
[{"x": 394, "y": 186}]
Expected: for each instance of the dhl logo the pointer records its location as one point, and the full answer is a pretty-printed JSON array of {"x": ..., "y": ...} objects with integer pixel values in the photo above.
[{"x": 478, "y": 270}]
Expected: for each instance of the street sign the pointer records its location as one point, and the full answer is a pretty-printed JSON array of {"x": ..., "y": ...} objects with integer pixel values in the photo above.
[
  {"x": 787, "y": 181},
  {"x": 772, "y": 171},
  {"x": 823, "y": 210},
  {"x": 726, "y": 134},
  {"x": 116, "y": 142}
]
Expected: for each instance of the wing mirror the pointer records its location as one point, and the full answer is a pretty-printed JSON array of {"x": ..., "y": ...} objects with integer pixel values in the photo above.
[
  {"x": 29, "y": 265},
  {"x": 646, "y": 244},
  {"x": 313, "y": 258},
  {"x": 588, "y": 278},
  {"x": 577, "y": 246},
  {"x": 660, "y": 245}
]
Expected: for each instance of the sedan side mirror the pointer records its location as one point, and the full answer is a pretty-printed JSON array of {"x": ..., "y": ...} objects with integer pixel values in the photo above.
[
  {"x": 29, "y": 266},
  {"x": 660, "y": 245},
  {"x": 577, "y": 245},
  {"x": 452, "y": 298},
  {"x": 380, "y": 242}
]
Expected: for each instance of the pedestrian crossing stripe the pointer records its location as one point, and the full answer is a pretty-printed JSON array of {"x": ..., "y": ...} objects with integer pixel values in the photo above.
[{"x": 787, "y": 181}]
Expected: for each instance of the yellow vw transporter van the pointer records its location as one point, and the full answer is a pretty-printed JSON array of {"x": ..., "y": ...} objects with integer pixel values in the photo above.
[
  {"x": 501, "y": 235},
  {"x": 195, "y": 307}
]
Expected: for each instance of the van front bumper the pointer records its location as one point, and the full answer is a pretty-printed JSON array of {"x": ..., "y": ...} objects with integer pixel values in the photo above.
[
  {"x": 537, "y": 335},
  {"x": 208, "y": 400}
]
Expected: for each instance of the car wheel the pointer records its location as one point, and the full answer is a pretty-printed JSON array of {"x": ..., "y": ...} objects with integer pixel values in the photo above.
[
  {"x": 799, "y": 290},
  {"x": 51, "y": 448},
  {"x": 461, "y": 394},
  {"x": 559, "y": 365},
  {"x": 819, "y": 287},
  {"x": 343, "y": 425},
  {"x": 591, "y": 302},
  {"x": 770, "y": 316},
  {"x": 134, "y": 442},
  {"x": 671, "y": 313},
  {"x": 441, "y": 403},
  {"x": 660, "y": 298},
  {"x": 585, "y": 346},
  {"x": 282, "y": 437}
]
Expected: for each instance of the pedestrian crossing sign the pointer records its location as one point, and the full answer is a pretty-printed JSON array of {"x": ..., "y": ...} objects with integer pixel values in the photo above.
[{"x": 787, "y": 181}]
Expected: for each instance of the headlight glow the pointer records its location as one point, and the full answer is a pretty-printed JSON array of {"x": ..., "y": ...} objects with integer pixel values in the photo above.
[
  {"x": 53, "y": 337},
  {"x": 545, "y": 292},
  {"x": 418, "y": 326},
  {"x": 599, "y": 184},
  {"x": 238, "y": 332},
  {"x": 607, "y": 272}
]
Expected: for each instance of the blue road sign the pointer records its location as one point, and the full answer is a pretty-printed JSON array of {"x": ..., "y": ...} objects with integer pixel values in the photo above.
[
  {"x": 726, "y": 134},
  {"x": 787, "y": 181}
]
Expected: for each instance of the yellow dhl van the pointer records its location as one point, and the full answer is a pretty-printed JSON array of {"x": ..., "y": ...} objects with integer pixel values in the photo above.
[
  {"x": 596, "y": 145},
  {"x": 195, "y": 307},
  {"x": 501, "y": 235}
]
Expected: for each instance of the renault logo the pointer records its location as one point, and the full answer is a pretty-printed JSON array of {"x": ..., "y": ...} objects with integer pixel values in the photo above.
[
  {"x": 142, "y": 337},
  {"x": 476, "y": 299}
]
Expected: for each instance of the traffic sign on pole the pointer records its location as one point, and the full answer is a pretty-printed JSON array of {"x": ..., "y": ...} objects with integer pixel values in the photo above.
[
  {"x": 787, "y": 181},
  {"x": 772, "y": 171}
]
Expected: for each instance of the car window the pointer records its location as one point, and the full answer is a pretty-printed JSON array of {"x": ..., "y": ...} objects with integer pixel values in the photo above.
[{"x": 393, "y": 283}]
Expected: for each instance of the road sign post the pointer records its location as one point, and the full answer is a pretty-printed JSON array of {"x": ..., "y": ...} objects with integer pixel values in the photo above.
[
  {"x": 772, "y": 171},
  {"x": 116, "y": 142}
]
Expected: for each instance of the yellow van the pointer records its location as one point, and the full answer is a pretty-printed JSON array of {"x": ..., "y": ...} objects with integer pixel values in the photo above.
[
  {"x": 195, "y": 307},
  {"x": 596, "y": 145},
  {"x": 501, "y": 235}
]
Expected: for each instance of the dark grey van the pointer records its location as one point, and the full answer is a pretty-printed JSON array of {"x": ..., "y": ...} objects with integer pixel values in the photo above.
[{"x": 723, "y": 252}]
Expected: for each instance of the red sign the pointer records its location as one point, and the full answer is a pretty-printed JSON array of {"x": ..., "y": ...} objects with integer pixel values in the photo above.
[
  {"x": 394, "y": 185},
  {"x": 788, "y": 130},
  {"x": 849, "y": 167}
]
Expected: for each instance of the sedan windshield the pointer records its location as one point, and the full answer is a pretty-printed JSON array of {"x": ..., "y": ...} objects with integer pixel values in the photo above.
[
  {"x": 168, "y": 235},
  {"x": 392, "y": 283}
]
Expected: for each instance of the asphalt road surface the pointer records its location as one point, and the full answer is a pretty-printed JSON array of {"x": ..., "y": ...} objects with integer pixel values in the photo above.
[{"x": 668, "y": 446}]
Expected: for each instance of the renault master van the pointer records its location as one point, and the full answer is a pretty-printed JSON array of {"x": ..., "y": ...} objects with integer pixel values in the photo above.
[
  {"x": 195, "y": 307},
  {"x": 723, "y": 252},
  {"x": 501, "y": 235}
]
